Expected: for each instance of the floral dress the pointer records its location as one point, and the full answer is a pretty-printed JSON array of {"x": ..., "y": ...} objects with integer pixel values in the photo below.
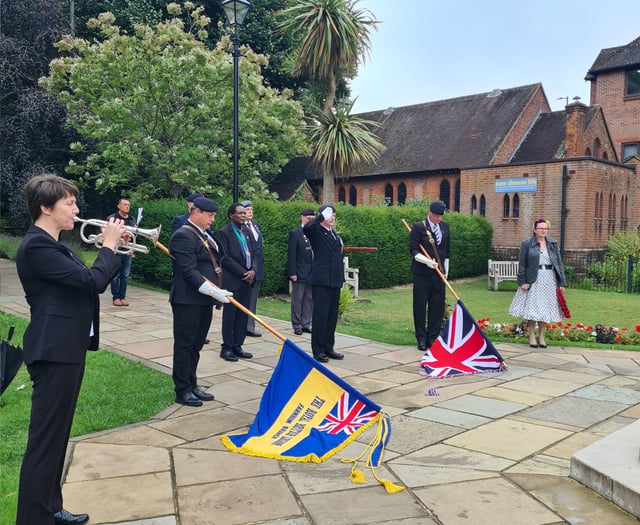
[{"x": 539, "y": 302}]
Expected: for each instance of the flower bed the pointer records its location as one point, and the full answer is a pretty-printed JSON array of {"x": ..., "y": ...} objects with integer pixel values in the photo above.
[{"x": 559, "y": 332}]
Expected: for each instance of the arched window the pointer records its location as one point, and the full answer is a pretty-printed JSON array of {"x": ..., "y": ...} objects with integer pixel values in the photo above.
[
  {"x": 587, "y": 152},
  {"x": 353, "y": 196},
  {"x": 341, "y": 195},
  {"x": 516, "y": 206},
  {"x": 483, "y": 206},
  {"x": 388, "y": 194},
  {"x": 456, "y": 196},
  {"x": 596, "y": 148},
  {"x": 505, "y": 207},
  {"x": 474, "y": 205},
  {"x": 402, "y": 193},
  {"x": 445, "y": 193},
  {"x": 605, "y": 155}
]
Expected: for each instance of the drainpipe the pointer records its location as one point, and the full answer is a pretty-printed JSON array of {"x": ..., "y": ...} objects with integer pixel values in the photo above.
[{"x": 563, "y": 209}]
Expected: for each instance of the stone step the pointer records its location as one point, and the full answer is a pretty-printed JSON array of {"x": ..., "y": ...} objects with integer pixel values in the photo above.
[{"x": 611, "y": 467}]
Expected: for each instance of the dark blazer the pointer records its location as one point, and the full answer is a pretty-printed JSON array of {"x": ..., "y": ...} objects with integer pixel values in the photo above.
[
  {"x": 418, "y": 236},
  {"x": 64, "y": 297},
  {"x": 299, "y": 255},
  {"x": 191, "y": 264},
  {"x": 179, "y": 221},
  {"x": 327, "y": 268},
  {"x": 233, "y": 262},
  {"x": 258, "y": 250},
  {"x": 530, "y": 260}
]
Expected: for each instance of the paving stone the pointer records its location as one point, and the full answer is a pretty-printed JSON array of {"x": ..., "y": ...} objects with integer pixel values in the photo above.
[
  {"x": 449, "y": 417},
  {"x": 482, "y": 406},
  {"x": 423, "y": 475},
  {"x": 138, "y": 435},
  {"x": 194, "y": 426},
  {"x": 417, "y": 433},
  {"x": 545, "y": 387},
  {"x": 541, "y": 464},
  {"x": 448, "y": 456},
  {"x": 507, "y": 394},
  {"x": 572, "y": 410},
  {"x": 164, "y": 520},
  {"x": 609, "y": 393},
  {"x": 570, "y": 377}
]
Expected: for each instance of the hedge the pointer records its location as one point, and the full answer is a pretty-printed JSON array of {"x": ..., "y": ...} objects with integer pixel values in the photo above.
[{"x": 378, "y": 227}]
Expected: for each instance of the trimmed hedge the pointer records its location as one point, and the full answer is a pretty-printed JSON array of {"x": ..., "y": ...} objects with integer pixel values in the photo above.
[{"x": 379, "y": 227}]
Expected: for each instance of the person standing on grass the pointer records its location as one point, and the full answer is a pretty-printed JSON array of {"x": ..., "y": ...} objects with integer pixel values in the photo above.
[
  {"x": 119, "y": 282},
  {"x": 63, "y": 295},
  {"x": 299, "y": 262}
]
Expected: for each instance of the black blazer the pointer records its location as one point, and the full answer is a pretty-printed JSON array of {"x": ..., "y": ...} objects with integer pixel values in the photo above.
[
  {"x": 233, "y": 261},
  {"x": 327, "y": 268},
  {"x": 418, "y": 236},
  {"x": 179, "y": 221},
  {"x": 299, "y": 255},
  {"x": 64, "y": 297},
  {"x": 191, "y": 264},
  {"x": 257, "y": 248}
]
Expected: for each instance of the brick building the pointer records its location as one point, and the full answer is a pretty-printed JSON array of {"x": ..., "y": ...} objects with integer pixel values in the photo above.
[{"x": 506, "y": 156}]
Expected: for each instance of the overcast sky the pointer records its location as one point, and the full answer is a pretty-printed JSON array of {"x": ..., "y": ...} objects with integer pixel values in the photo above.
[{"x": 426, "y": 50}]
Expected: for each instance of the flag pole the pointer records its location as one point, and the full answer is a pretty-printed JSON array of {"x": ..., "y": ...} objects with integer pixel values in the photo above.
[
  {"x": 437, "y": 268},
  {"x": 234, "y": 302}
]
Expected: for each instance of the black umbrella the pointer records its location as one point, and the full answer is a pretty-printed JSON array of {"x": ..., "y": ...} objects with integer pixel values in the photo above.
[{"x": 11, "y": 359}]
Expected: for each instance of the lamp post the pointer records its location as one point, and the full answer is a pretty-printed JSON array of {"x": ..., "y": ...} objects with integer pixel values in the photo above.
[{"x": 236, "y": 11}]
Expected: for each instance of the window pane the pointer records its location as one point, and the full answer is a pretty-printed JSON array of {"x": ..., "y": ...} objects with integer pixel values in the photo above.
[
  {"x": 629, "y": 149},
  {"x": 633, "y": 82}
]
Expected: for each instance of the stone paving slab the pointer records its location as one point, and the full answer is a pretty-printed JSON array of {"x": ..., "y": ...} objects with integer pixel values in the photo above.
[
  {"x": 482, "y": 406},
  {"x": 574, "y": 411}
]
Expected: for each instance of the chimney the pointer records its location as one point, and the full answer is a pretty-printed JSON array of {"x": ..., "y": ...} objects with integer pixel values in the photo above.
[{"x": 574, "y": 129}]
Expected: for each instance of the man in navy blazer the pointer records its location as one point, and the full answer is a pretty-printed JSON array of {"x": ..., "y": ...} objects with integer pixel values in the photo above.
[
  {"x": 196, "y": 269},
  {"x": 63, "y": 295},
  {"x": 182, "y": 219},
  {"x": 327, "y": 278}
]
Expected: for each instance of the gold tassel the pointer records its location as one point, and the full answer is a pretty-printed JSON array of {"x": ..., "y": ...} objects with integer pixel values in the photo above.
[
  {"x": 357, "y": 476},
  {"x": 390, "y": 486}
]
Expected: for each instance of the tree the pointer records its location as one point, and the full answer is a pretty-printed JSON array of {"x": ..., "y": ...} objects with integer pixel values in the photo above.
[
  {"x": 155, "y": 110},
  {"x": 334, "y": 38}
]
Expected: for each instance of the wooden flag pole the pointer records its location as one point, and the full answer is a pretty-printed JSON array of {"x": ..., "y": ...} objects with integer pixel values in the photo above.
[{"x": 437, "y": 268}]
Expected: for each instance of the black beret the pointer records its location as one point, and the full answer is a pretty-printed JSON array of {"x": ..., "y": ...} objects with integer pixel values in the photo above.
[
  {"x": 246, "y": 204},
  {"x": 307, "y": 211},
  {"x": 324, "y": 207},
  {"x": 194, "y": 196},
  {"x": 437, "y": 207},
  {"x": 204, "y": 204}
]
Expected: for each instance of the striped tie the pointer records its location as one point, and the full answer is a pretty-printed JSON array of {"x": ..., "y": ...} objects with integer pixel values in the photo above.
[{"x": 436, "y": 230}]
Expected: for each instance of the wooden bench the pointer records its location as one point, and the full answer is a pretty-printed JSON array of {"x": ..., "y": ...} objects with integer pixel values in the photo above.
[
  {"x": 501, "y": 271},
  {"x": 351, "y": 276}
]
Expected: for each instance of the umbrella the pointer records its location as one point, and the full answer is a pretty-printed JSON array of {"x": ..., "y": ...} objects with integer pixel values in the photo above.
[{"x": 11, "y": 359}]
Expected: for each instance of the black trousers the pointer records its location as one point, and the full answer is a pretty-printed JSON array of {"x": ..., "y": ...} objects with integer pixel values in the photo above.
[
  {"x": 301, "y": 304},
  {"x": 428, "y": 306},
  {"x": 326, "y": 305},
  {"x": 190, "y": 326},
  {"x": 234, "y": 321},
  {"x": 56, "y": 387}
]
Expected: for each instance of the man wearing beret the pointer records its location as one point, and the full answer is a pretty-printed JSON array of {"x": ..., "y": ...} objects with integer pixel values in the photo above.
[
  {"x": 428, "y": 287},
  {"x": 327, "y": 278},
  {"x": 254, "y": 232},
  {"x": 182, "y": 219},
  {"x": 299, "y": 261},
  {"x": 195, "y": 289}
]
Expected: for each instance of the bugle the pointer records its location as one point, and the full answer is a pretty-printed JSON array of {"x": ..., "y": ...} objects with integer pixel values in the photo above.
[{"x": 124, "y": 247}]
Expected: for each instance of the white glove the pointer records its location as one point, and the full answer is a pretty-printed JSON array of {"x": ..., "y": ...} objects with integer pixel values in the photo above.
[
  {"x": 446, "y": 268},
  {"x": 327, "y": 213},
  {"x": 220, "y": 295},
  {"x": 425, "y": 260}
]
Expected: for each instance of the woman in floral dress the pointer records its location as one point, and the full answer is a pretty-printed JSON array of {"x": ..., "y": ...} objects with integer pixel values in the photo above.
[{"x": 540, "y": 272}]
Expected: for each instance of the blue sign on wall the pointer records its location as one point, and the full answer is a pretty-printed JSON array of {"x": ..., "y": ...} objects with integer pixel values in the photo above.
[{"x": 520, "y": 184}]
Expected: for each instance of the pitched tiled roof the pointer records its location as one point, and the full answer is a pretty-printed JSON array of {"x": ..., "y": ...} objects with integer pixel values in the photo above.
[{"x": 620, "y": 57}]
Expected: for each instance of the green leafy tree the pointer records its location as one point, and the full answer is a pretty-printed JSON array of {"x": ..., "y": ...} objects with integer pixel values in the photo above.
[
  {"x": 334, "y": 37},
  {"x": 155, "y": 110}
]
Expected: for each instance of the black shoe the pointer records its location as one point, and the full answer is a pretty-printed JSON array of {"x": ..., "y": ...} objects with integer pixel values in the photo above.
[
  {"x": 202, "y": 395},
  {"x": 321, "y": 358},
  {"x": 298, "y": 331},
  {"x": 242, "y": 354},
  {"x": 422, "y": 344},
  {"x": 253, "y": 334},
  {"x": 64, "y": 517},
  {"x": 228, "y": 357},
  {"x": 306, "y": 329},
  {"x": 335, "y": 355},
  {"x": 206, "y": 341},
  {"x": 188, "y": 399}
]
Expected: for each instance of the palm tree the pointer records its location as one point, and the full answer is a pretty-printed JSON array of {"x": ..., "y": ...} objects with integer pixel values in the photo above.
[{"x": 334, "y": 38}]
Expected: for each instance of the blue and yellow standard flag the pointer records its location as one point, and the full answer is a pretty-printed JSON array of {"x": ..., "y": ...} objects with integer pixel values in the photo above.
[{"x": 307, "y": 414}]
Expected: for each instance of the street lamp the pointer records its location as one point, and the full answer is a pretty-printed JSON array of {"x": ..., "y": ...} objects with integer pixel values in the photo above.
[{"x": 235, "y": 10}]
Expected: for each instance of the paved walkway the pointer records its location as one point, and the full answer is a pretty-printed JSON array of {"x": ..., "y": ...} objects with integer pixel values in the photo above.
[{"x": 494, "y": 451}]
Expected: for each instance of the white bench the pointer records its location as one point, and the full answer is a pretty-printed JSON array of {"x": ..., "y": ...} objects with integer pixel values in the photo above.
[
  {"x": 501, "y": 271},
  {"x": 351, "y": 276}
]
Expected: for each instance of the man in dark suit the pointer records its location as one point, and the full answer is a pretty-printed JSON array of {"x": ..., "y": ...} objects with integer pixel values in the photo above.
[
  {"x": 238, "y": 275},
  {"x": 299, "y": 261},
  {"x": 182, "y": 219},
  {"x": 428, "y": 288},
  {"x": 63, "y": 295},
  {"x": 254, "y": 232},
  {"x": 327, "y": 278},
  {"x": 196, "y": 268}
]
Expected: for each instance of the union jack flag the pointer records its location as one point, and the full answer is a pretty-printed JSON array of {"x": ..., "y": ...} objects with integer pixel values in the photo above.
[
  {"x": 347, "y": 416},
  {"x": 461, "y": 349}
]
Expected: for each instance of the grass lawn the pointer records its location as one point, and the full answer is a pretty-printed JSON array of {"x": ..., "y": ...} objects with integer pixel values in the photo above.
[{"x": 110, "y": 384}]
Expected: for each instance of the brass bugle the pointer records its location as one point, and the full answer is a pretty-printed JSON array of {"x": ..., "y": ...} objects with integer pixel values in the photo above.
[{"x": 124, "y": 247}]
